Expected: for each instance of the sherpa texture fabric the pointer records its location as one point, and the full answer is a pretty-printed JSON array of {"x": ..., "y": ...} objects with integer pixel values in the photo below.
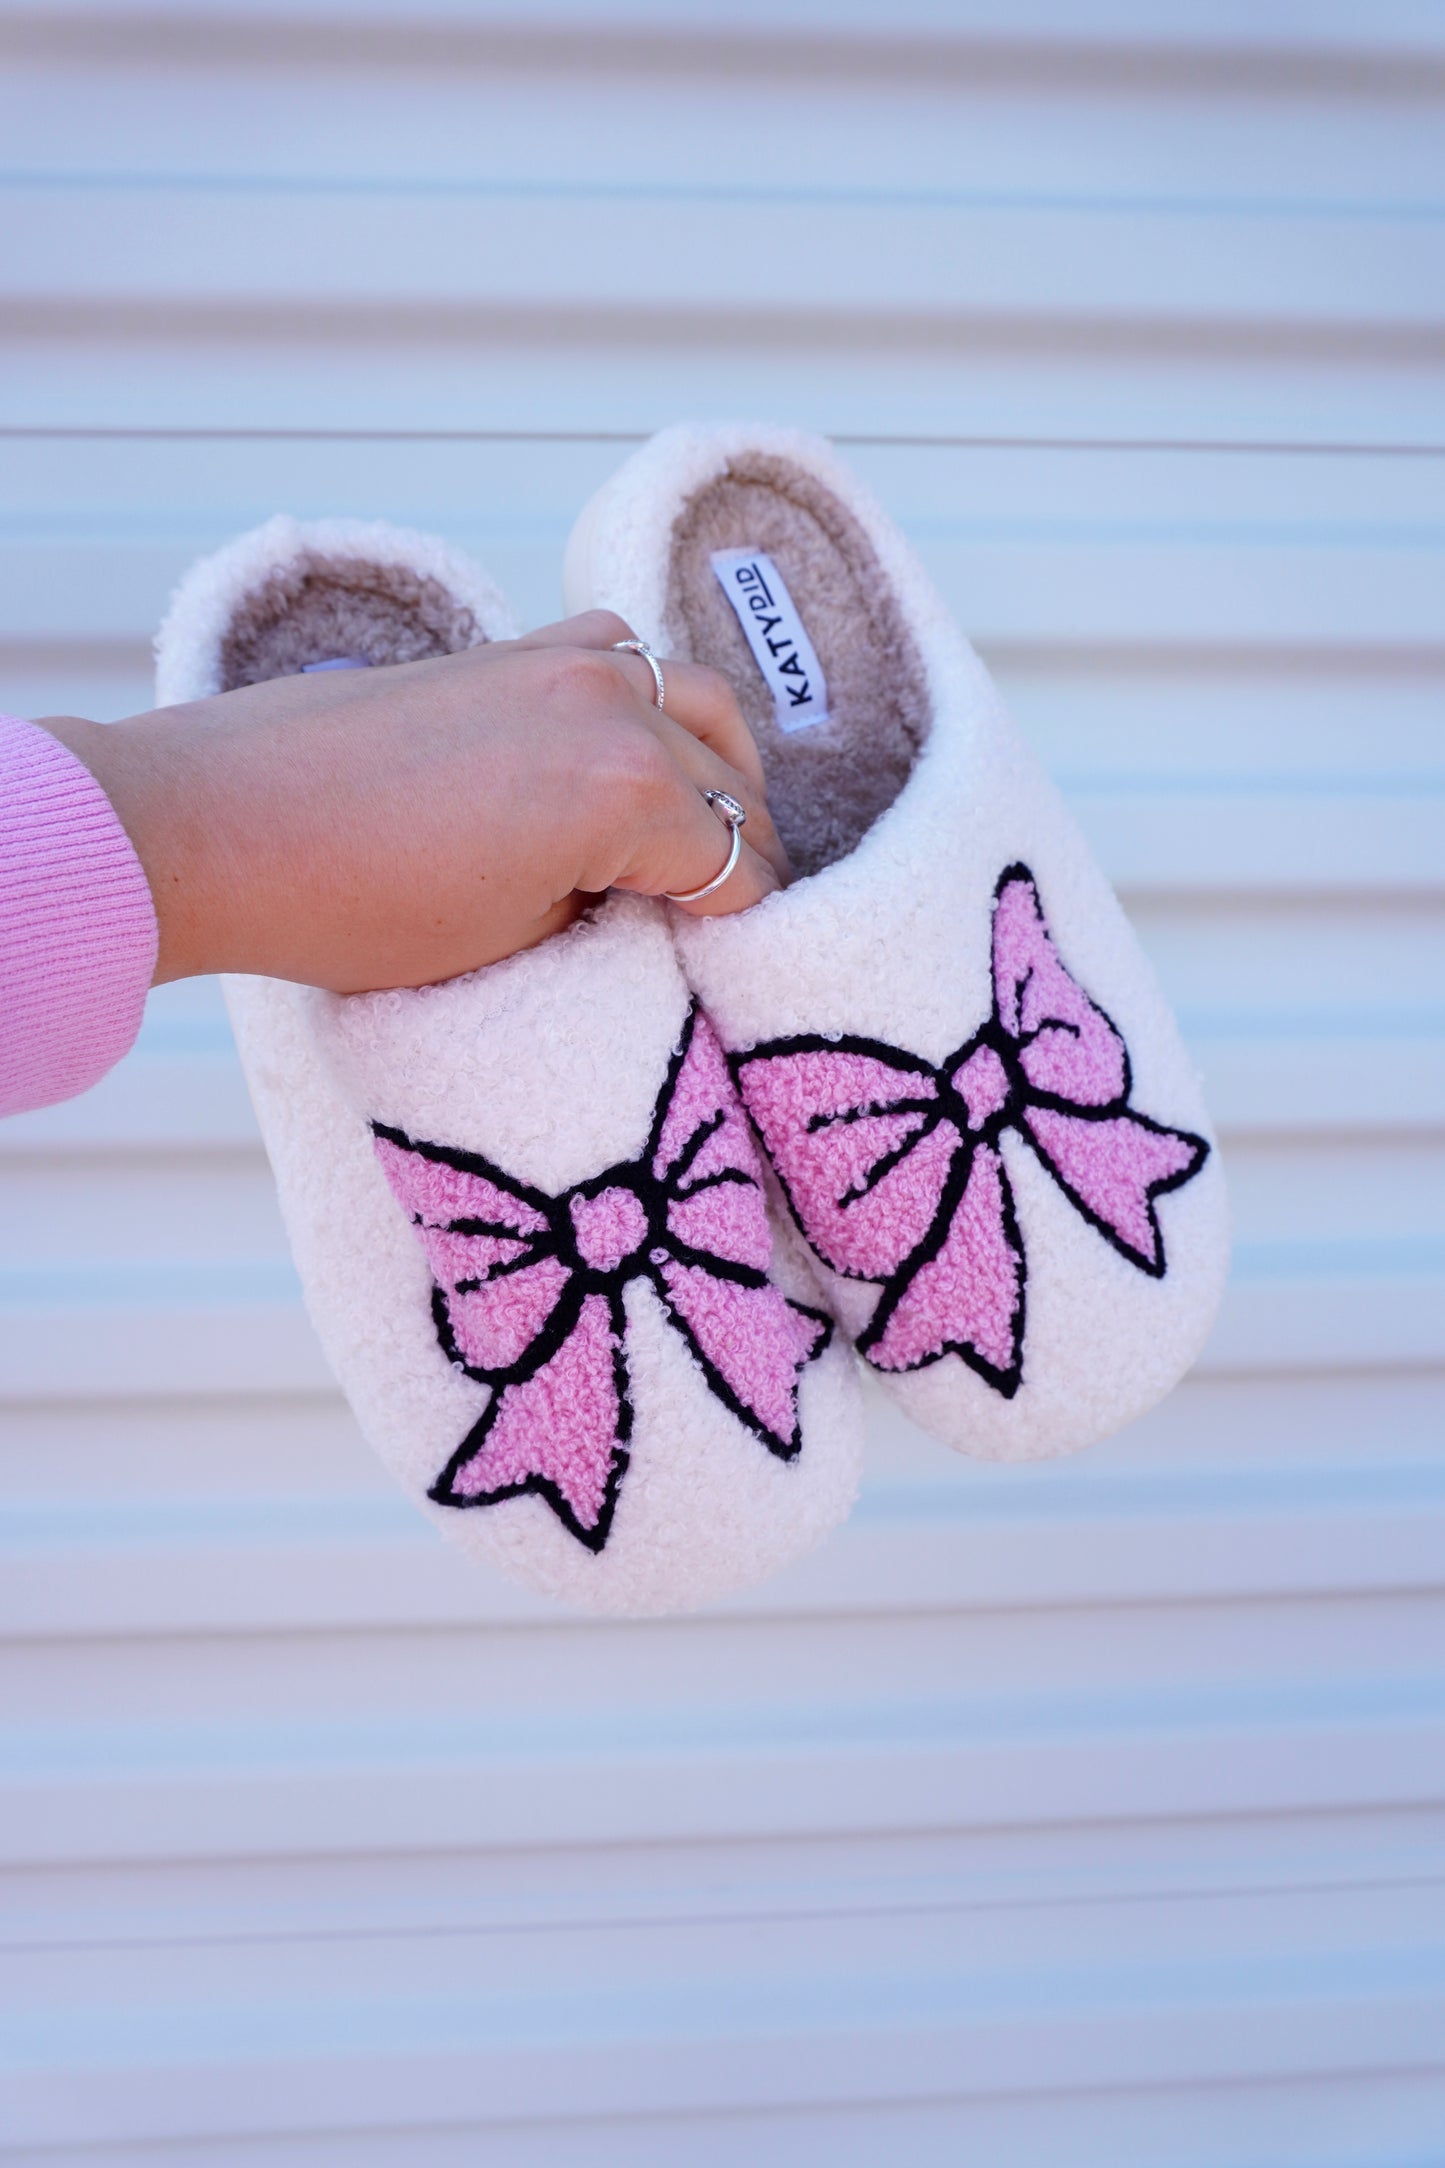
[
  {"x": 957, "y": 1056},
  {"x": 526, "y": 1207}
]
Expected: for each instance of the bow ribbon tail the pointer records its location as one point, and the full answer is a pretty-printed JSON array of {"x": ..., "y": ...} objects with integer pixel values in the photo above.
[
  {"x": 751, "y": 1342},
  {"x": 561, "y": 1432},
  {"x": 1112, "y": 1166},
  {"x": 962, "y": 1291},
  {"x": 749, "y": 1339}
]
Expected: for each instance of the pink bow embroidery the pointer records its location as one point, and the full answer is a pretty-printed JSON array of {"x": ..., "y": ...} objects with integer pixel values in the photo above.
[
  {"x": 527, "y": 1294},
  {"x": 893, "y": 1168}
]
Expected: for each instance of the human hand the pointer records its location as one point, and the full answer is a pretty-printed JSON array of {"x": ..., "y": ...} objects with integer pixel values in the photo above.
[{"x": 389, "y": 827}]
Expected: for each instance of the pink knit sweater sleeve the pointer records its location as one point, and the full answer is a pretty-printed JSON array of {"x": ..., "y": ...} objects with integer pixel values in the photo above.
[{"x": 77, "y": 926}]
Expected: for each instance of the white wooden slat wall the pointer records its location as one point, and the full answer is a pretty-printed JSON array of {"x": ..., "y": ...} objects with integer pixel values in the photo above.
[{"x": 1090, "y": 1815}]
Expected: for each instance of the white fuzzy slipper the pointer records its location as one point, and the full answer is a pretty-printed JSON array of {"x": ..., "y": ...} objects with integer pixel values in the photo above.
[
  {"x": 955, "y": 1053},
  {"x": 526, "y": 1205}
]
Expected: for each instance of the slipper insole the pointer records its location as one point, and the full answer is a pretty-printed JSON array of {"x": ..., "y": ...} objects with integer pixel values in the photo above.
[
  {"x": 318, "y": 608},
  {"x": 828, "y": 783}
]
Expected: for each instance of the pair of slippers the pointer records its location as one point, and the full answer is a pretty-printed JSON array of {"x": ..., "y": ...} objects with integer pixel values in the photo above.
[{"x": 587, "y": 1234}]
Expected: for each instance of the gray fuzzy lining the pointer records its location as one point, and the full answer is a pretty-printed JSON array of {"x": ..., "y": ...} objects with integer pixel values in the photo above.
[
  {"x": 317, "y": 608},
  {"x": 828, "y": 784}
]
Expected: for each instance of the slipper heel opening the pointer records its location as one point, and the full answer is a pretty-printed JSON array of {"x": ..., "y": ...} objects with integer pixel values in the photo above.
[
  {"x": 770, "y": 576},
  {"x": 333, "y": 610}
]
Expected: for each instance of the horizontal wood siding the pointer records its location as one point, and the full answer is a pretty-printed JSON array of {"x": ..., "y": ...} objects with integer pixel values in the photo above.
[{"x": 1089, "y": 1815}]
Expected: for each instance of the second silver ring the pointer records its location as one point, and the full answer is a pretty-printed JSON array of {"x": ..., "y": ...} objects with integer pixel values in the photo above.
[
  {"x": 640, "y": 647},
  {"x": 727, "y": 809}
]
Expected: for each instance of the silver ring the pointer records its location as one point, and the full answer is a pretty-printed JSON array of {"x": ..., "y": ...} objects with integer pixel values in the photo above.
[
  {"x": 640, "y": 647},
  {"x": 727, "y": 809}
]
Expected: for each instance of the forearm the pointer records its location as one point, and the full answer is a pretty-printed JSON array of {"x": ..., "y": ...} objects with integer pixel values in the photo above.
[
  {"x": 308, "y": 831},
  {"x": 404, "y": 824}
]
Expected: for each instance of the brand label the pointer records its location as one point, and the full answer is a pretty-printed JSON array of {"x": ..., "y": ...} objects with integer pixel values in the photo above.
[{"x": 776, "y": 634}]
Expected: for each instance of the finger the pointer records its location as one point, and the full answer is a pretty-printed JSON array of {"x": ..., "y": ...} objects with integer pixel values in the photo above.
[
  {"x": 703, "y": 702},
  {"x": 706, "y": 705},
  {"x": 709, "y": 770},
  {"x": 701, "y": 706},
  {"x": 698, "y": 698},
  {"x": 751, "y": 879},
  {"x": 685, "y": 847},
  {"x": 593, "y": 628},
  {"x": 701, "y": 727}
]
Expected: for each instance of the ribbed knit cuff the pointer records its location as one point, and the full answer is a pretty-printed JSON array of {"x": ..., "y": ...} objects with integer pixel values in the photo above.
[{"x": 77, "y": 925}]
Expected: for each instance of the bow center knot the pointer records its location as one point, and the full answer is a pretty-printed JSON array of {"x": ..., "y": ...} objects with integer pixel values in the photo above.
[
  {"x": 983, "y": 1084},
  {"x": 608, "y": 1225}
]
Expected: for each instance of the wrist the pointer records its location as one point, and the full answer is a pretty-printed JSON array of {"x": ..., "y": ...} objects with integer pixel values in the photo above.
[{"x": 146, "y": 769}]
